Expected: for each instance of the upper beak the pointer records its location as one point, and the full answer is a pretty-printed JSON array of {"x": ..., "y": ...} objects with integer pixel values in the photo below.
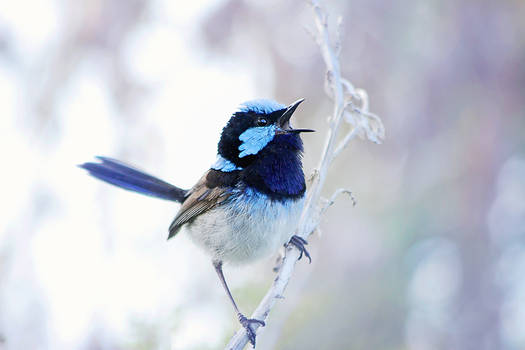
[{"x": 285, "y": 118}]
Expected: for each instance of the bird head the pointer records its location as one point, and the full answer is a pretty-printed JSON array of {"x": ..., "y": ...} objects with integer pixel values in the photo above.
[{"x": 256, "y": 125}]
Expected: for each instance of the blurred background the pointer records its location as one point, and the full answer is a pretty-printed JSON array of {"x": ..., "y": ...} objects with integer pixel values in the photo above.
[{"x": 432, "y": 256}]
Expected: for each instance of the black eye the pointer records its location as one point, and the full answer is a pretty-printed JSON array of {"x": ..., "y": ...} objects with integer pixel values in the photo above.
[{"x": 262, "y": 121}]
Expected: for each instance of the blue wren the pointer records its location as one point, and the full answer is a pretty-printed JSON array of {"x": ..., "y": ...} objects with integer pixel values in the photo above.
[{"x": 249, "y": 203}]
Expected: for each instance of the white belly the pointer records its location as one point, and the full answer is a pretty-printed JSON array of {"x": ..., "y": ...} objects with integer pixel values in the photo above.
[{"x": 249, "y": 227}]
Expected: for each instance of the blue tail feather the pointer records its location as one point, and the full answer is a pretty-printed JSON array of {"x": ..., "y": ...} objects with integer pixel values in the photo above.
[{"x": 119, "y": 174}]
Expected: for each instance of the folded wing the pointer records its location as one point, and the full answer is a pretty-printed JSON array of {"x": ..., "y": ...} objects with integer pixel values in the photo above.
[{"x": 207, "y": 194}]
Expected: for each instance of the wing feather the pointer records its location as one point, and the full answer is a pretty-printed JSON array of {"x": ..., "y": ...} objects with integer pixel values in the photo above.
[{"x": 201, "y": 198}]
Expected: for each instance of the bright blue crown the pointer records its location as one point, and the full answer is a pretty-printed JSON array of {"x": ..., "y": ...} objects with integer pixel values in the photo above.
[{"x": 261, "y": 106}]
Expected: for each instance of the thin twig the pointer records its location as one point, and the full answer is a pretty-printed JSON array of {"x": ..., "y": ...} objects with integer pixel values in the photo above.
[
  {"x": 337, "y": 193},
  {"x": 342, "y": 145}
]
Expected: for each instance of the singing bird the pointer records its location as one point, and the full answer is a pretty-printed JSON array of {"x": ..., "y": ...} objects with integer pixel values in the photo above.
[{"x": 248, "y": 203}]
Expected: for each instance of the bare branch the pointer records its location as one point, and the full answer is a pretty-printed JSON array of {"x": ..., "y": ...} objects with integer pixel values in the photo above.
[
  {"x": 329, "y": 202},
  {"x": 342, "y": 145},
  {"x": 338, "y": 37},
  {"x": 350, "y": 89},
  {"x": 342, "y": 92}
]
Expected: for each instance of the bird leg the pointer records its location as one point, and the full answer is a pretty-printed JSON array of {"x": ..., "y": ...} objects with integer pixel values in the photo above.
[
  {"x": 245, "y": 322},
  {"x": 300, "y": 243}
]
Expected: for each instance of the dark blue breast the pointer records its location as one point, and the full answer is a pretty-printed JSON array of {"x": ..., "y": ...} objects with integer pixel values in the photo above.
[{"x": 277, "y": 170}]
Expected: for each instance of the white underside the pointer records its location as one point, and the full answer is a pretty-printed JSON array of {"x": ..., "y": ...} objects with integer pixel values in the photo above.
[{"x": 248, "y": 228}]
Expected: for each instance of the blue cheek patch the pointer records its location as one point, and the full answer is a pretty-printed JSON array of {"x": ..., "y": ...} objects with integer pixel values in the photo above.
[
  {"x": 255, "y": 139},
  {"x": 223, "y": 164}
]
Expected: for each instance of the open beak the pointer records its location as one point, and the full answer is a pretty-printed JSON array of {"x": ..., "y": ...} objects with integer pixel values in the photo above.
[{"x": 284, "y": 120}]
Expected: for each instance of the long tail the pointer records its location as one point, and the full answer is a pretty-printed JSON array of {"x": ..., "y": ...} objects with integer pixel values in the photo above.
[{"x": 119, "y": 174}]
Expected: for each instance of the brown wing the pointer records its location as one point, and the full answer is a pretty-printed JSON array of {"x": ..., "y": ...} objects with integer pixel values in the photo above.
[{"x": 201, "y": 199}]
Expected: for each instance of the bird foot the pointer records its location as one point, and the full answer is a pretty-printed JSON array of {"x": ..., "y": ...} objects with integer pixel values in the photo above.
[
  {"x": 300, "y": 243},
  {"x": 246, "y": 323}
]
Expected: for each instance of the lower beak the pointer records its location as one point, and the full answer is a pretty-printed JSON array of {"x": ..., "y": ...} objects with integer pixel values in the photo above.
[{"x": 296, "y": 131}]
